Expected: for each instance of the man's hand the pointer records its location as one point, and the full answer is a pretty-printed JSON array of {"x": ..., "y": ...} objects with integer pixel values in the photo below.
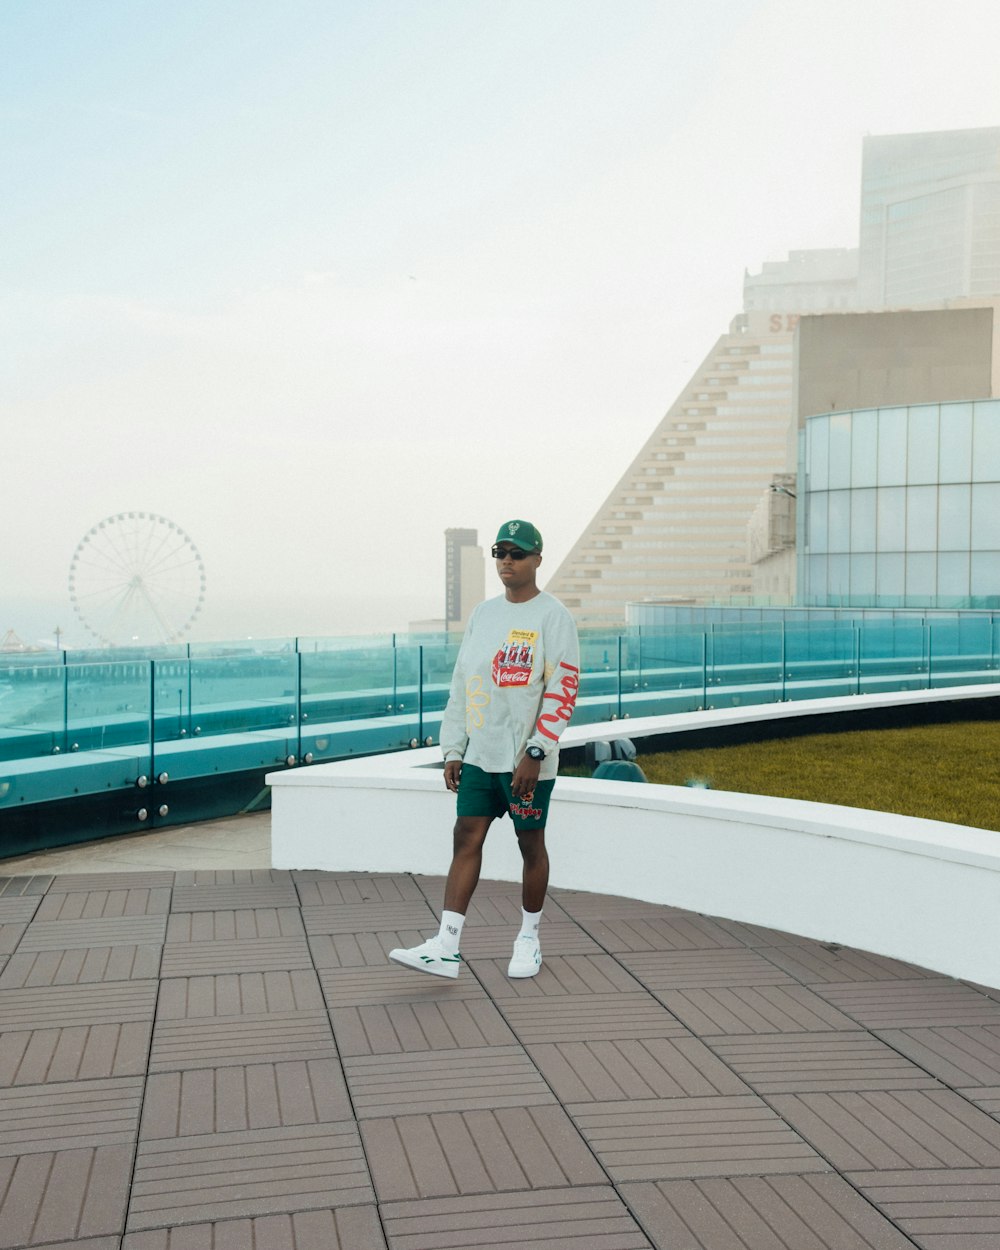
[
  {"x": 452, "y": 772},
  {"x": 525, "y": 778}
]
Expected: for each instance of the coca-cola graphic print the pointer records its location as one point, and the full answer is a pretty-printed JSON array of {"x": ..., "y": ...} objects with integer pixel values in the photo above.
[{"x": 513, "y": 662}]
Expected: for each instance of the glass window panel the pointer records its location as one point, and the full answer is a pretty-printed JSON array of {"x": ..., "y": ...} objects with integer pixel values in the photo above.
[
  {"x": 986, "y": 439},
  {"x": 986, "y": 516},
  {"x": 922, "y": 445},
  {"x": 840, "y": 451},
  {"x": 889, "y": 575},
  {"x": 954, "y": 503},
  {"x": 921, "y": 518},
  {"x": 816, "y": 579},
  {"x": 892, "y": 446},
  {"x": 891, "y": 505},
  {"x": 862, "y": 520},
  {"x": 818, "y": 453},
  {"x": 955, "y": 461},
  {"x": 864, "y": 448},
  {"x": 816, "y": 533},
  {"x": 921, "y": 576},
  {"x": 862, "y": 577},
  {"x": 953, "y": 574},
  {"x": 985, "y": 578},
  {"x": 839, "y": 522},
  {"x": 838, "y": 579}
]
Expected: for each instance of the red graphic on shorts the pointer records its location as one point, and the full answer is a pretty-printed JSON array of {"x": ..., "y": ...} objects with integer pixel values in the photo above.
[{"x": 512, "y": 664}]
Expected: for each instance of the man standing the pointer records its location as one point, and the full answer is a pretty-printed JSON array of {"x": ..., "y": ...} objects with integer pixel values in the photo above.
[{"x": 512, "y": 693}]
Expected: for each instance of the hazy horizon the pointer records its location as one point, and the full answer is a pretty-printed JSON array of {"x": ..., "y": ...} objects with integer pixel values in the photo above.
[{"x": 318, "y": 281}]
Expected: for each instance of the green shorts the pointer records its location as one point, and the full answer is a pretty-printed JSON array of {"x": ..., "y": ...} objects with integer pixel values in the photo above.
[{"x": 489, "y": 794}]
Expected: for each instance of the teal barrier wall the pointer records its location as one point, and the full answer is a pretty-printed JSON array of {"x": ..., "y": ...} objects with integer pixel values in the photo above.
[{"x": 95, "y": 743}]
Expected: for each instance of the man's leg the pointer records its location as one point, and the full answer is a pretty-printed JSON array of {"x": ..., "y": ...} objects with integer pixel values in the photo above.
[
  {"x": 527, "y": 956},
  {"x": 467, "y": 861},
  {"x": 535, "y": 870},
  {"x": 439, "y": 955}
]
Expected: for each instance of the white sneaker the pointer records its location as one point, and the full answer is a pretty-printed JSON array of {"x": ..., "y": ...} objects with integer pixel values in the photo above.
[
  {"x": 527, "y": 957},
  {"x": 429, "y": 956}
]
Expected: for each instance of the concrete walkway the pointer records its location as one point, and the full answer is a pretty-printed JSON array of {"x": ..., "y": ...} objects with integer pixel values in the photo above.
[{"x": 198, "y": 1055}]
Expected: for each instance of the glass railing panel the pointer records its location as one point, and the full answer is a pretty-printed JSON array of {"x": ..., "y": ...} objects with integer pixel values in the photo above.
[
  {"x": 744, "y": 664},
  {"x": 892, "y": 655},
  {"x": 666, "y": 673},
  {"x": 960, "y": 652},
  {"x": 820, "y": 659},
  {"x": 225, "y": 695}
]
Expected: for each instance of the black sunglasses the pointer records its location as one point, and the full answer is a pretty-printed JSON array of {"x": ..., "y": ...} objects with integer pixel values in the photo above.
[{"x": 515, "y": 553}]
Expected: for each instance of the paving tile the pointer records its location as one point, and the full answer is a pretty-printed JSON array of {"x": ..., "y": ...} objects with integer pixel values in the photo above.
[
  {"x": 377, "y": 1029},
  {"x": 326, "y": 889},
  {"x": 958, "y": 1209},
  {"x": 814, "y": 962},
  {"x": 756, "y": 935},
  {"x": 88, "y": 881},
  {"x": 477, "y": 1152},
  {"x": 239, "y": 993},
  {"x": 233, "y": 897},
  {"x": 81, "y": 965},
  {"x": 461, "y": 1079},
  {"x": 811, "y": 1212},
  {"x": 214, "y": 1042},
  {"x": 581, "y": 904},
  {"x": 753, "y": 1009},
  {"x": 608, "y": 1071},
  {"x": 221, "y": 1176},
  {"x": 18, "y": 908},
  {"x": 65, "y": 1198},
  {"x": 583, "y": 1218},
  {"x": 25, "y": 885},
  {"x": 342, "y": 1228},
  {"x": 361, "y": 950},
  {"x": 961, "y": 1057},
  {"x": 561, "y": 974},
  {"x": 208, "y": 958},
  {"x": 665, "y": 1139},
  {"x": 590, "y": 1017},
  {"x": 893, "y": 1129},
  {"x": 252, "y": 1096},
  {"x": 662, "y": 970},
  {"x": 47, "y": 1118},
  {"x": 801, "y": 1062},
  {"x": 497, "y": 941},
  {"x": 104, "y": 904},
  {"x": 912, "y": 1004},
  {"x": 370, "y": 917},
  {"x": 234, "y": 924},
  {"x": 651, "y": 931},
  {"x": 391, "y": 983},
  {"x": 76, "y": 1053},
  {"x": 56, "y": 935},
  {"x": 231, "y": 876},
  {"x": 10, "y": 936},
  {"x": 60, "y": 1006}
]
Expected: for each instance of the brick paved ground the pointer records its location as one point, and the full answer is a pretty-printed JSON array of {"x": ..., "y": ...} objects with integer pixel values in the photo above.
[{"x": 224, "y": 1059}]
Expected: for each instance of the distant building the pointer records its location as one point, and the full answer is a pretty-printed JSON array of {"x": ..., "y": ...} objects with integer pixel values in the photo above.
[
  {"x": 465, "y": 576},
  {"x": 930, "y": 217},
  {"x": 695, "y": 517}
]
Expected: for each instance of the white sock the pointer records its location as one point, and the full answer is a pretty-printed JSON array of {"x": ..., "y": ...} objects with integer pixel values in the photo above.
[
  {"x": 530, "y": 921},
  {"x": 451, "y": 930}
]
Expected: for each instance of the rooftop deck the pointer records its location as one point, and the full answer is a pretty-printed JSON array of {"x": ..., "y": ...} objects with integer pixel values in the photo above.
[{"x": 205, "y": 1057}]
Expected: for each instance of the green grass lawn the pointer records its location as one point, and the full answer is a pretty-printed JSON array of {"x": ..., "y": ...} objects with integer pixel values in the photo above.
[{"x": 943, "y": 772}]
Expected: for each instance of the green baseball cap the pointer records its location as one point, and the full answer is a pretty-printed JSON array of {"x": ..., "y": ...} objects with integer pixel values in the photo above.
[{"x": 520, "y": 534}]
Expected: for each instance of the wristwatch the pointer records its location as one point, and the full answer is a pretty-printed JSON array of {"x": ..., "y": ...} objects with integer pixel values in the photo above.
[{"x": 535, "y": 753}]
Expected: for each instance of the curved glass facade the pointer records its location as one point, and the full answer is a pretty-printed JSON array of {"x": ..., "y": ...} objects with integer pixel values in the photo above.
[{"x": 900, "y": 507}]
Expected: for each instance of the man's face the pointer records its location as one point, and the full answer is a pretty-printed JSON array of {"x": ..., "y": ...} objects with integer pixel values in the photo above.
[{"x": 513, "y": 572}]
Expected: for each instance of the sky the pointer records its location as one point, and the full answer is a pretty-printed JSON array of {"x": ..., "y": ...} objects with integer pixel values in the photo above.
[{"x": 317, "y": 280}]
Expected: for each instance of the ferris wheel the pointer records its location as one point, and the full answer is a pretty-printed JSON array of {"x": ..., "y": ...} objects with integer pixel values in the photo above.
[{"x": 136, "y": 577}]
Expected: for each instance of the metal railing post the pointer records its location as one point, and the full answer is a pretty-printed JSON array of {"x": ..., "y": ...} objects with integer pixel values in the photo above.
[{"x": 420, "y": 693}]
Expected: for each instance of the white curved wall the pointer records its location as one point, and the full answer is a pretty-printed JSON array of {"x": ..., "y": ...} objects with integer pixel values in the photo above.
[{"x": 917, "y": 890}]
